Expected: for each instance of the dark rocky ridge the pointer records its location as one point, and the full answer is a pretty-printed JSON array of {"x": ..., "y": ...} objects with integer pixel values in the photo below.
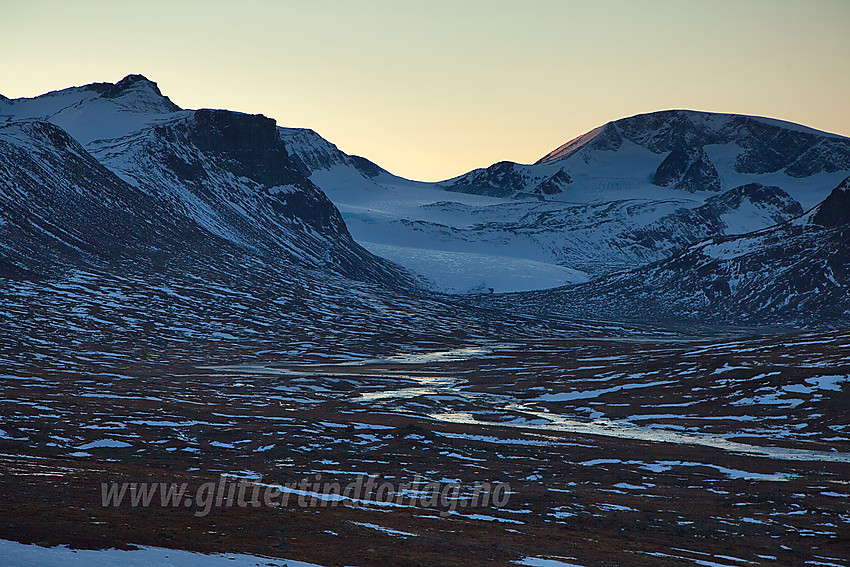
[
  {"x": 311, "y": 154},
  {"x": 58, "y": 204},
  {"x": 505, "y": 179},
  {"x": 501, "y": 179},
  {"x": 555, "y": 184},
  {"x": 366, "y": 167},
  {"x": 689, "y": 169},
  {"x": 247, "y": 143},
  {"x": 835, "y": 210},
  {"x": 767, "y": 147}
]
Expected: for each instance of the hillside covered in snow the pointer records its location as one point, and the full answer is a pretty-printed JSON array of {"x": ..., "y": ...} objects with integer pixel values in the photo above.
[
  {"x": 103, "y": 174},
  {"x": 626, "y": 194}
]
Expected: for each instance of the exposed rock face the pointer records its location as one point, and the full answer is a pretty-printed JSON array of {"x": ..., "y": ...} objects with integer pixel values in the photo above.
[
  {"x": 835, "y": 210},
  {"x": 828, "y": 155},
  {"x": 688, "y": 169},
  {"x": 247, "y": 145},
  {"x": 555, "y": 184},
  {"x": 782, "y": 206},
  {"x": 366, "y": 167},
  {"x": 501, "y": 179},
  {"x": 608, "y": 140},
  {"x": 312, "y": 154}
]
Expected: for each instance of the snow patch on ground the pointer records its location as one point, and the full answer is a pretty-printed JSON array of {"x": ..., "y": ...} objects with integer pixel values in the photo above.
[
  {"x": 21, "y": 555},
  {"x": 540, "y": 562},
  {"x": 104, "y": 444}
]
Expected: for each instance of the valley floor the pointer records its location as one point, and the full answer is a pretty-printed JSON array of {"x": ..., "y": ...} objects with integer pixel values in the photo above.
[{"x": 632, "y": 451}]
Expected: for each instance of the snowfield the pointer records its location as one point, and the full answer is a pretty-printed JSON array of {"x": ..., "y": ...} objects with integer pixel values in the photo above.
[
  {"x": 468, "y": 272},
  {"x": 21, "y": 555}
]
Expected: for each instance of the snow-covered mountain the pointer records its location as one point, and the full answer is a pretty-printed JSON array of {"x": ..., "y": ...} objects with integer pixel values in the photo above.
[
  {"x": 682, "y": 150},
  {"x": 96, "y": 111},
  {"x": 110, "y": 171},
  {"x": 201, "y": 177},
  {"x": 623, "y": 195},
  {"x": 326, "y": 164},
  {"x": 139, "y": 232},
  {"x": 793, "y": 273}
]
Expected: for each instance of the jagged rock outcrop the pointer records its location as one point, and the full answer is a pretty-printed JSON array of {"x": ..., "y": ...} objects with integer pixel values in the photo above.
[
  {"x": 834, "y": 212},
  {"x": 688, "y": 169}
]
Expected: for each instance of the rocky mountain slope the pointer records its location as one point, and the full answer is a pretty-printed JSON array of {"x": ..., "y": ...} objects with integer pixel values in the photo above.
[
  {"x": 60, "y": 205},
  {"x": 794, "y": 273},
  {"x": 186, "y": 234}
]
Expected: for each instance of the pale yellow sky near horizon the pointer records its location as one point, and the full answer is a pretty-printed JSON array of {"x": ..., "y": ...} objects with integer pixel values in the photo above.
[{"x": 430, "y": 90}]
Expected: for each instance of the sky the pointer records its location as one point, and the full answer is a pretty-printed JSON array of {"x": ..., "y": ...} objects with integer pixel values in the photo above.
[{"x": 432, "y": 89}]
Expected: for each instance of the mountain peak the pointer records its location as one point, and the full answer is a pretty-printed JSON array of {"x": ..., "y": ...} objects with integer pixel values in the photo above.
[
  {"x": 143, "y": 91},
  {"x": 133, "y": 78},
  {"x": 765, "y": 145}
]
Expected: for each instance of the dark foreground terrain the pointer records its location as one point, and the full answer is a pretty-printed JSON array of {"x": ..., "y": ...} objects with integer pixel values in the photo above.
[{"x": 637, "y": 450}]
